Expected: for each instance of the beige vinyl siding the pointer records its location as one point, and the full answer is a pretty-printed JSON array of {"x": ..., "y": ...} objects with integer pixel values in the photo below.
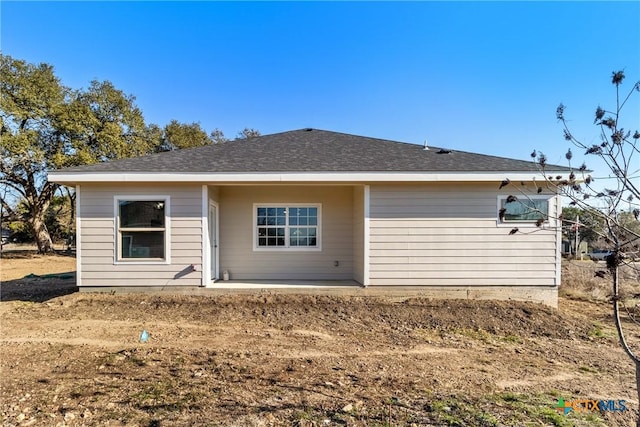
[
  {"x": 358, "y": 234},
  {"x": 214, "y": 193},
  {"x": 237, "y": 254},
  {"x": 98, "y": 237},
  {"x": 445, "y": 234}
]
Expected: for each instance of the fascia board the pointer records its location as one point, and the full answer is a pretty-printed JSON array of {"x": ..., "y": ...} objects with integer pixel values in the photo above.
[{"x": 278, "y": 177}]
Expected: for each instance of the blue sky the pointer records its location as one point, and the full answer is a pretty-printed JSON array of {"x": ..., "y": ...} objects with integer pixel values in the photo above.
[{"x": 472, "y": 76}]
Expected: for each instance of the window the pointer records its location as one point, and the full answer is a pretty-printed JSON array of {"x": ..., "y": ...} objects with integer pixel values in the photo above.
[
  {"x": 142, "y": 228},
  {"x": 524, "y": 209},
  {"x": 292, "y": 227}
]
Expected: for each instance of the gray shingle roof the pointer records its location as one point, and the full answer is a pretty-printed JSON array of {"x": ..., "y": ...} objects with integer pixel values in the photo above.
[{"x": 311, "y": 150}]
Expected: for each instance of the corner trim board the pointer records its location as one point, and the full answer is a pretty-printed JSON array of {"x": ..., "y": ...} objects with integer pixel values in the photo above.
[
  {"x": 367, "y": 233},
  {"x": 78, "y": 239}
]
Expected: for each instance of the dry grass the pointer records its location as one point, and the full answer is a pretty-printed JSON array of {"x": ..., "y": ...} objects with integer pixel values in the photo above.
[
  {"x": 16, "y": 264},
  {"x": 579, "y": 281}
]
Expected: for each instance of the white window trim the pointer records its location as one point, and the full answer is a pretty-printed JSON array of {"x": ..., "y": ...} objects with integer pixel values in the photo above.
[
  {"x": 528, "y": 222},
  {"x": 254, "y": 228},
  {"x": 167, "y": 230}
]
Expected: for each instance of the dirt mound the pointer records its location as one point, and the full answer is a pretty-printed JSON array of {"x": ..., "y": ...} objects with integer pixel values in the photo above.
[
  {"x": 272, "y": 359},
  {"x": 282, "y": 311},
  {"x": 268, "y": 359}
]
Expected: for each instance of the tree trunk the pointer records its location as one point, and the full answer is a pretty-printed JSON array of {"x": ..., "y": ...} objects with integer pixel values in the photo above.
[
  {"x": 38, "y": 205},
  {"x": 638, "y": 388},
  {"x": 614, "y": 270},
  {"x": 41, "y": 234}
]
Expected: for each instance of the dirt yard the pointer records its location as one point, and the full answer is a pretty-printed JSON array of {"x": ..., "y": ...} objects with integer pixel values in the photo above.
[{"x": 265, "y": 359}]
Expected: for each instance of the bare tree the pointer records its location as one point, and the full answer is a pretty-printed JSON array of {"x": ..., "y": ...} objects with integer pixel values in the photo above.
[
  {"x": 248, "y": 133},
  {"x": 617, "y": 204}
]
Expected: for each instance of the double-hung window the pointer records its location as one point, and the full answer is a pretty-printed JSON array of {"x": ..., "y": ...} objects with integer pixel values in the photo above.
[
  {"x": 287, "y": 226},
  {"x": 142, "y": 228}
]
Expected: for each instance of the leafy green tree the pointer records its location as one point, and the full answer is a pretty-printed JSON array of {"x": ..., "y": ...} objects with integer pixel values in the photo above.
[
  {"x": 59, "y": 218},
  {"x": 181, "y": 135},
  {"x": 17, "y": 226},
  {"x": 176, "y": 136},
  {"x": 101, "y": 123},
  {"x": 46, "y": 125},
  {"x": 32, "y": 100}
]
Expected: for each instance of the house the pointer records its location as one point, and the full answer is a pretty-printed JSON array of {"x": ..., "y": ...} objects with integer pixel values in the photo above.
[{"x": 312, "y": 207}]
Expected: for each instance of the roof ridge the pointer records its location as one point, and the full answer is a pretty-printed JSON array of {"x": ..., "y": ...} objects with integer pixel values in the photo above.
[{"x": 358, "y": 136}]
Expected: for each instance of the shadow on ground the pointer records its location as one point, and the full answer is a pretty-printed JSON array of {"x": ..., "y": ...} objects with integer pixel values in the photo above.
[
  {"x": 38, "y": 288},
  {"x": 9, "y": 253}
]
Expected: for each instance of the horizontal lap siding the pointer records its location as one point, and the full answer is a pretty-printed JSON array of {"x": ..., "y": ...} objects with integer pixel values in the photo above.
[
  {"x": 236, "y": 235},
  {"x": 447, "y": 235},
  {"x": 98, "y": 240}
]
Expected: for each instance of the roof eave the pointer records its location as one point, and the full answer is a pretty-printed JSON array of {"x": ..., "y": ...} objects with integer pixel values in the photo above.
[{"x": 72, "y": 178}]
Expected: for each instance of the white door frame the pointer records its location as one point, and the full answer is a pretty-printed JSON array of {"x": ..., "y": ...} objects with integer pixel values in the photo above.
[{"x": 214, "y": 246}]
